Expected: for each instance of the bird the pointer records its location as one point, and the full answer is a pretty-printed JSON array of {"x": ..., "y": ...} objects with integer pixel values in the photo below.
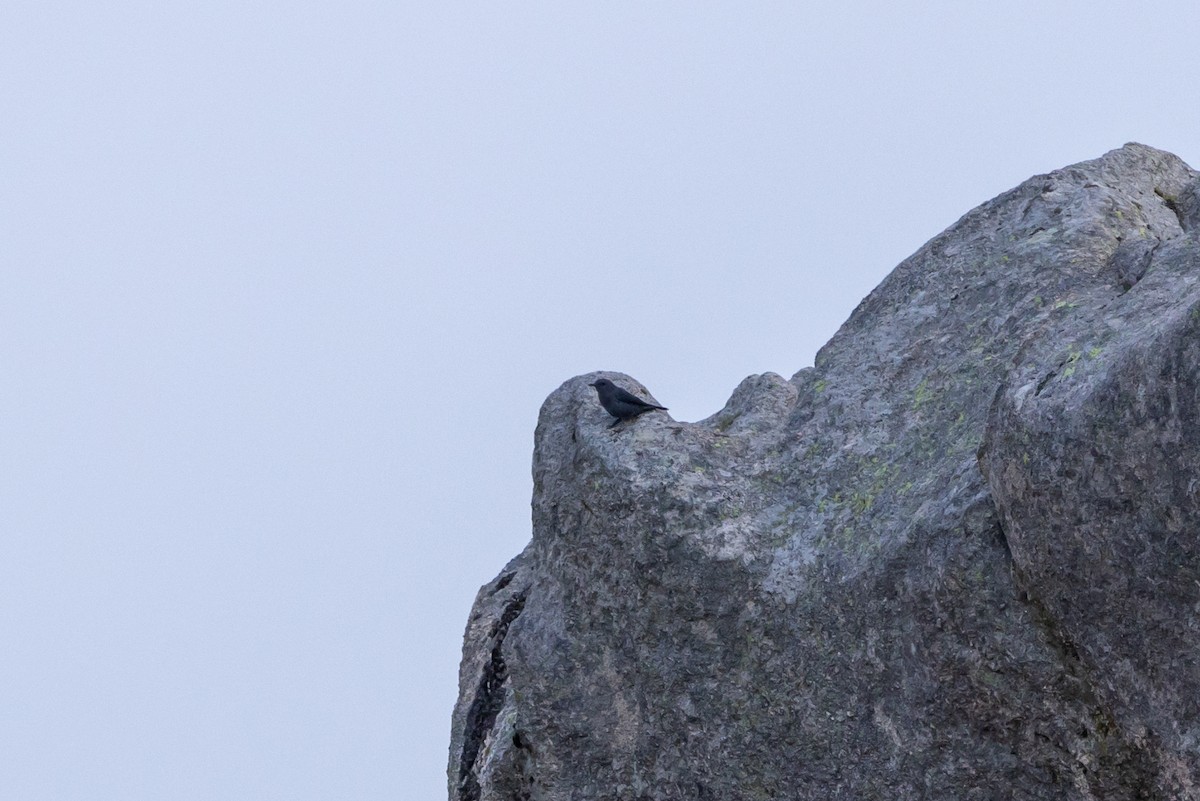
[{"x": 619, "y": 403}]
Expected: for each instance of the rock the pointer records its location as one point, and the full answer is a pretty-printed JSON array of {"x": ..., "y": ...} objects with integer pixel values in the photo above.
[
  {"x": 1131, "y": 260},
  {"x": 817, "y": 593},
  {"x": 1186, "y": 206}
]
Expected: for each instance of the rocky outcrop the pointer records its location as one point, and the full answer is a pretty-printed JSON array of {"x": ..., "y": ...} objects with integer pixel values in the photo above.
[{"x": 957, "y": 558}]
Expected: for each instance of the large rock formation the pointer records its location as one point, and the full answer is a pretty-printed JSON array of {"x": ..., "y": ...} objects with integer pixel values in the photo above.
[{"x": 955, "y": 559}]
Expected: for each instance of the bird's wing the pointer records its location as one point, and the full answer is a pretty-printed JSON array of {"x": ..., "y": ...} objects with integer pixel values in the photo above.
[{"x": 629, "y": 397}]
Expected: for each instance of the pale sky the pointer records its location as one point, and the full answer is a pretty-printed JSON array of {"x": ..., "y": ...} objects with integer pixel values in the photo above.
[{"x": 284, "y": 285}]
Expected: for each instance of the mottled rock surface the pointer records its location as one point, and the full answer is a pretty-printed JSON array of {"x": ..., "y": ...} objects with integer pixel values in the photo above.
[{"x": 955, "y": 559}]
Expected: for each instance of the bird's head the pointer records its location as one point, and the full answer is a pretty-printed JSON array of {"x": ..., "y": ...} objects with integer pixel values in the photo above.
[{"x": 600, "y": 383}]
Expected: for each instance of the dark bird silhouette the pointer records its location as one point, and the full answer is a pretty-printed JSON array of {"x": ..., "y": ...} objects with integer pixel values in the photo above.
[{"x": 619, "y": 403}]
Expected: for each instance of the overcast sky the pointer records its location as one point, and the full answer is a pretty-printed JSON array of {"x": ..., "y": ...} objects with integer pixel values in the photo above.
[{"x": 285, "y": 283}]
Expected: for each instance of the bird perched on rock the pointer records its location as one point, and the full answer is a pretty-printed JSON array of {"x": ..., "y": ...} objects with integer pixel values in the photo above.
[{"x": 619, "y": 403}]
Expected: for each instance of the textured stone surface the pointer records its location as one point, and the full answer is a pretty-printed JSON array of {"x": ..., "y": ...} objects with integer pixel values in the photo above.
[{"x": 817, "y": 593}]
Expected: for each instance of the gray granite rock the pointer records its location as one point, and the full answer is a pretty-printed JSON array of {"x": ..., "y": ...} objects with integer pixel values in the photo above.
[{"x": 817, "y": 593}]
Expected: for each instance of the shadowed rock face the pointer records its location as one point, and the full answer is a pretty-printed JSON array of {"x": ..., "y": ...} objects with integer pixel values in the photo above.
[{"x": 957, "y": 558}]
